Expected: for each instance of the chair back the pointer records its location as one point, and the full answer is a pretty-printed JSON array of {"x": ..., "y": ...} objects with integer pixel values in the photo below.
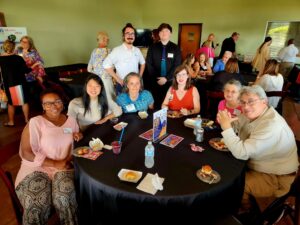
[
  {"x": 281, "y": 94},
  {"x": 213, "y": 99},
  {"x": 7, "y": 152},
  {"x": 8, "y": 181}
]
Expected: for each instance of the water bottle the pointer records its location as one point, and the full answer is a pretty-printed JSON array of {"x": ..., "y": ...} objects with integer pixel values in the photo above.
[
  {"x": 197, "y": 124},
  {"x": 149, "y": 155}
]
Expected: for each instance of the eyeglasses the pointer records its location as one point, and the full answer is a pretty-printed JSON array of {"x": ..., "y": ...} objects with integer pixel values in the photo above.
[
  {"x": 56, "y": 103},
  {"x": 181, "y": 74},
  {"x": 249, "y": 103},
  {"x": 129, "y": 34},
  {"x": 25, "y": 42}
]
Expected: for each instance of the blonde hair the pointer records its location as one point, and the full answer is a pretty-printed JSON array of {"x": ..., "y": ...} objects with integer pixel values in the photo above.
[
  {"x": 9, "y": 46},
  {"x": 101, "y": 34},
  {"x": 30, "y": 42}
]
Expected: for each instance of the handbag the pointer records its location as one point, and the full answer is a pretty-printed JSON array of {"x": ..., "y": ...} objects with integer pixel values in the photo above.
[{"x": 16, "y": 94}]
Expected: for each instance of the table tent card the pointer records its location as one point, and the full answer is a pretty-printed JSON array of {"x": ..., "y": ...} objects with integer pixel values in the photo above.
[{"x": 159, "y": 124}]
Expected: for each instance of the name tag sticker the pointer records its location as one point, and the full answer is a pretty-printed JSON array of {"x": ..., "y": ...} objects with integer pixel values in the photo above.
[
  {"x": 67, "y": 130},
  {"x": 170, "y": 55},
  {"x": 130, "y": 108}
]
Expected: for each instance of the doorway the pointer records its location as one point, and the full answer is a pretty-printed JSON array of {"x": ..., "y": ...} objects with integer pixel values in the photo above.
[{"x": 189, "y": 38}]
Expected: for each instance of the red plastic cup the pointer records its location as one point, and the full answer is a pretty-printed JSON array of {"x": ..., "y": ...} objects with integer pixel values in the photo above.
[{"x": 116, "y": 147}]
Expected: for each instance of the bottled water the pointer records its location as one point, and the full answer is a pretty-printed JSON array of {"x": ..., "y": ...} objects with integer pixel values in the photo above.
[
  {"x": 149, "y": 155},
  {"x": 198, "y": 124}
]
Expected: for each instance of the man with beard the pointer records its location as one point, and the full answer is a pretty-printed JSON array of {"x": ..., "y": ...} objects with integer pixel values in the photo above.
[
  {"x": 162, "y": 59},
  {"x": 125, "y": 58}
]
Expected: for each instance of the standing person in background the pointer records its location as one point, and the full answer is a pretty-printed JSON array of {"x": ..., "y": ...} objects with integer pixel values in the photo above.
[
  {"x": 229, "y": 44},
  {"x": 162, "y": 59},
  {"x": 13, "y": 69},
  {"x": 262, "y": 55},
  {"x": 155, "y": 36},
  {"x": 208, "y": 47},
  {"x": 96, "y": 64},
  {"x": 34, "y": 61},
  {"x": 125, "y": 58},
  {"x": 287, "y": 57}
]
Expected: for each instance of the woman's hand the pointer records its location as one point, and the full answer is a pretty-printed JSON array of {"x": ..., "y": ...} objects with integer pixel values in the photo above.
[
  {"x": 224, "y": 119},
  {"x": 184, "y": 111},
  {"x": 77, "y": 136},
  {"x": 161, "y": 81},
  {"x": 101, "y": 121}
]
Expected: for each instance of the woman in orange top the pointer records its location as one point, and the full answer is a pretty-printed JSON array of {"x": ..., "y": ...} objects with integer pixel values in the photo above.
[{"x": 182, "y": 96}]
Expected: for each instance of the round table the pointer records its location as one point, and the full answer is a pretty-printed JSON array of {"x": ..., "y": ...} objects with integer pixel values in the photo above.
[{"x": 104, "y": 199}]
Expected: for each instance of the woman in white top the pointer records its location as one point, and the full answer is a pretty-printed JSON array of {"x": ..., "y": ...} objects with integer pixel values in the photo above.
[
  {"x": 93, "y": 107},
  {"x": 271, "y": 80}
]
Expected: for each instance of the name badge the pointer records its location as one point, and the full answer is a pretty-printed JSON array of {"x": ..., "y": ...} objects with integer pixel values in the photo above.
[
  {"x": 130, "y": 108},
  {"x": 170, "y": 55},
  {"x": 67, "y": 130}
]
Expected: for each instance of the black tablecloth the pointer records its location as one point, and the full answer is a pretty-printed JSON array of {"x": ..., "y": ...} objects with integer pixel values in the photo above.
[{"x": 104, "y": 199}]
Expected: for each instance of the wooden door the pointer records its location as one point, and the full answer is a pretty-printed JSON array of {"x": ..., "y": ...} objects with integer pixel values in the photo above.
[{"x": 189, "y": 38}]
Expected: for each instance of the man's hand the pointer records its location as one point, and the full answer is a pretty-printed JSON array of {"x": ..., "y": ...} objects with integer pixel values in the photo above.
[
  {"x": 224, "y": 119},
  {"x": 161, "y": 81}
]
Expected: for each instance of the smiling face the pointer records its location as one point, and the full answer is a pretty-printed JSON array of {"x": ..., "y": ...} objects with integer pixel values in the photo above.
[
  {"x": 134, "y": 85},
  {"x": 129, "y": 36},
  {"x": 52, "y": 104},
  {"x": 231, "y": 93},
  {"x": 182, "y": 77},
  {"x": 93, "y": 88},
  {"x": 25, "y": 43},
  {"x": 102, "y": 40},
  {"x": 252, "y": 105}
]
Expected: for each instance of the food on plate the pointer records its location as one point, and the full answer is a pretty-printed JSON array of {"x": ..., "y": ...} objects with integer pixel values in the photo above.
[
  {"x": 206, "y": 169},
  {"x": 207, "y": 122},
  {"x": 219, "y": 144},
  {"x": 174, "y": 114},
  {"x": 130, "y": 175},
  {"x": 82, "y": 151},
  {"x": 143, "y": 114}
]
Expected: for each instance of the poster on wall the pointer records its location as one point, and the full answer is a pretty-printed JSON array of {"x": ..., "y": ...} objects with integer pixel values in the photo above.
[{"x": 14, "y": 32}]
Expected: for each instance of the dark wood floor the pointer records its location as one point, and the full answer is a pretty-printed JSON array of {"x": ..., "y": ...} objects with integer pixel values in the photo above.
[{"x": 9, "y": 135}]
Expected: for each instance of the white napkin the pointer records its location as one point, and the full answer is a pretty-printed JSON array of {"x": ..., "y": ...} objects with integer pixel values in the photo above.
[
  {"x": 157, "y": 183},
  {"x": 151, "y": 183}
]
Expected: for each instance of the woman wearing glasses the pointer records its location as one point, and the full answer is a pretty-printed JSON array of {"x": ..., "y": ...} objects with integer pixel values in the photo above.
[
  {"x": 45, "y": 179},
  {"x": 93, "y": 107},
  {"x": 182, "y": 97}
]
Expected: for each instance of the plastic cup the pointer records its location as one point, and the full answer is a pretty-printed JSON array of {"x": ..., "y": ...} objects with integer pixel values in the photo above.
[
  {"x": 114, "y": 120},
  {"x": 116, "y": 147}
]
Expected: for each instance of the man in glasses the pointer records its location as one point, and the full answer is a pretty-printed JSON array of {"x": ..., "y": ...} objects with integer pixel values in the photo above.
[
  {"x": 125, "y": 58},
  {"x": 266, "y": 141}
]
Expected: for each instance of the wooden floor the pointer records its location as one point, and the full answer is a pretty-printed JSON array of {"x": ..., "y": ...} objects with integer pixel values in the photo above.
[{"x": 9, "y": 135}]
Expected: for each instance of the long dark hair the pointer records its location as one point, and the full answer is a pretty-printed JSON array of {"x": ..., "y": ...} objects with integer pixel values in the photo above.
[
  {"x": 267, "y": 39},
  {"x": 102, "y": 99}
]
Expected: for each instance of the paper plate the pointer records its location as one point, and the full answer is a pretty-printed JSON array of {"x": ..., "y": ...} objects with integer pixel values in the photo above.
[
  {"x": 217, "y": 144},
  {"x": 210, "y": 179}
]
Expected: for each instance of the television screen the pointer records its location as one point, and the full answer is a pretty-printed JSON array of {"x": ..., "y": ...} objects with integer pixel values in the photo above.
[{"x": 143, "y": 38}]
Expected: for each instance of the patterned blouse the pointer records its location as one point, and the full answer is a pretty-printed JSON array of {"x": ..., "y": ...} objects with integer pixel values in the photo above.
[
  {"x": 96, "y": 61},
  {"x": 31, "y": 58}
]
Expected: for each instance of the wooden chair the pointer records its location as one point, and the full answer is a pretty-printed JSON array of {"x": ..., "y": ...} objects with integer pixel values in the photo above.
[
  {"x": 280, "y": 207},
  {"x": 7, "y": 152},
  {"x": 213, "y": 99}
]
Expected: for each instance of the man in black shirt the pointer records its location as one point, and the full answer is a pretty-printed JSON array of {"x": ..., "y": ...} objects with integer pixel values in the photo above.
[
  {"x": 162, "y": 59},
  {"x": 229, "y": 44}
]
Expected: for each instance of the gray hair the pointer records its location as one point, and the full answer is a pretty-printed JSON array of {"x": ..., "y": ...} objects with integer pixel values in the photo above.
[
  {"x": 254, "y": 89},
  {"x": 233, "y": 82},
  {"x": 126, "y": 80}
]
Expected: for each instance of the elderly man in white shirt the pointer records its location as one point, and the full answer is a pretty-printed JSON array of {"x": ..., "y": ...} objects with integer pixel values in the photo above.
[
  {"x": 287, "y": 56},
  {"x": 266, "y": 141},
  {"x": 125, "y": 58}
]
